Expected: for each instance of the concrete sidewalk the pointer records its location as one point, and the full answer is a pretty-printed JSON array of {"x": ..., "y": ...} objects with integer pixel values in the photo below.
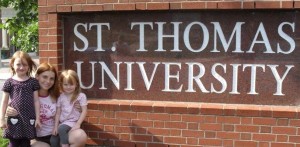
[{"x": 5, "y": 71}]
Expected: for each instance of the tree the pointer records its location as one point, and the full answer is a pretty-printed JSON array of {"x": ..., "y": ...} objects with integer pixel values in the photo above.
[{"x": 24, "y": 26}]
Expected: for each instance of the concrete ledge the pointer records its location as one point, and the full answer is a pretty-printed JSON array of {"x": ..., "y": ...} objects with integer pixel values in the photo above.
[{"x": 243, "y": 110}]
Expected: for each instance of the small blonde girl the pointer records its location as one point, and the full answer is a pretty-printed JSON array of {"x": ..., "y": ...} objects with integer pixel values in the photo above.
[
  {"x": 22, "y": 91},
  {"x": 67, "y": 117}
]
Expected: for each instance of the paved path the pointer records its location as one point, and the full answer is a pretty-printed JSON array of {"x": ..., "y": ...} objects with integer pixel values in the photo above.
[
  {"x": 4, "y": 74},
  {"x": 4, "y": 70}
]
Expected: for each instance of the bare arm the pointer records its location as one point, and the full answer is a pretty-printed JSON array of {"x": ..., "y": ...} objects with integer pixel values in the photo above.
[
  {"x": 37, "y": 108},
  {"x": 4, "y": 104},
  {"x": 83, "y": 114},
  {"x": 81, "y": 118},
  {"x": 57, "y": 115}
]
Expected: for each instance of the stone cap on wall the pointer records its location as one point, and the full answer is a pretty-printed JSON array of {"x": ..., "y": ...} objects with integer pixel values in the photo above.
[
  {"x": 243, "y": 110},
  {"x": 83, "y": 6}
]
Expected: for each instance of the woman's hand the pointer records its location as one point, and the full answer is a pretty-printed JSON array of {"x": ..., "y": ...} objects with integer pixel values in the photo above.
[
  {"x": 38, "y": 123},
  {"x": 10, "y": 111},
  {"x": 77, "y": 106}
]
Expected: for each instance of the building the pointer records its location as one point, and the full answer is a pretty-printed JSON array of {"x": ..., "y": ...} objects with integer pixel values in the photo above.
[{"x": 6, "y": 48}]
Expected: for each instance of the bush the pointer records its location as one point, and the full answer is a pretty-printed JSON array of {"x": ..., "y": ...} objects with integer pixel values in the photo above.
[
  {"x": 3, "y": 141},
  {"x": 23, "y": 28}
]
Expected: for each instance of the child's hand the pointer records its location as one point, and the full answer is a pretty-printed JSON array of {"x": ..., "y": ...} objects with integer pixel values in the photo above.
[
  {"x": 38, "y": 123},
  {"x": 3, "y": 124},
  {"x": 10, "y": 111},
  {"x": 54, "y": 131},
  {"x": 76, "y": 126}
]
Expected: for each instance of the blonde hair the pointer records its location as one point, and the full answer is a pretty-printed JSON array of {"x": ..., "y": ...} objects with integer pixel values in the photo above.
[
  {"x": 72, "y": 78},
  {"x": 22, "y": 55},
  {"x": 54, "y": 90}
]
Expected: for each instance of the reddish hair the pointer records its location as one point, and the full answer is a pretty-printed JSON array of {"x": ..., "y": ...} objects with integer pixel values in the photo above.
[
  {"x": 72, "y": 78},
  {"x": 22, "y": 55},
  {"x": 54, "y": 90}
]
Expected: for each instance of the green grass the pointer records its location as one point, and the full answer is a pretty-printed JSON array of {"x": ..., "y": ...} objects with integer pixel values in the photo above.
[{"x": 3, "y": 141}]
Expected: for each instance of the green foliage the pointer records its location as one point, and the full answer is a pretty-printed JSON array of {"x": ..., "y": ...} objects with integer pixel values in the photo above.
[
  {"x": 3, "y": 141},
  {"x": 24, "y": 26}
]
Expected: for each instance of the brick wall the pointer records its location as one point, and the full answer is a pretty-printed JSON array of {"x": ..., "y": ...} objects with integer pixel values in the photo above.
[{"x": 168, "y": 124}]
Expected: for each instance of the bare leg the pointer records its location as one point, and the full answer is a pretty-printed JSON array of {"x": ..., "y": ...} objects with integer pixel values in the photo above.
[
  {"x": 65, "y": 145},
  {"x": 39, "y": 144},
  {"x": 77, "y": 138}
]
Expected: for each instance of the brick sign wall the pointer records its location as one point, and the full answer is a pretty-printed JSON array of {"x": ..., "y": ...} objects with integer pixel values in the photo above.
[
  {"x": 139, "y": 118},
  {"x": 190, "y": 56}
]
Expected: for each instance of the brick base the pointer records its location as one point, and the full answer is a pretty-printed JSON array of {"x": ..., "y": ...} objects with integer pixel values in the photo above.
[{"x": 125, "y": 123}]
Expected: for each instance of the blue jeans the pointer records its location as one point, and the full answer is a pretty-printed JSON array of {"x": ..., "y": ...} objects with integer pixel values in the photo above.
[{"x": 62, "y": 137}]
